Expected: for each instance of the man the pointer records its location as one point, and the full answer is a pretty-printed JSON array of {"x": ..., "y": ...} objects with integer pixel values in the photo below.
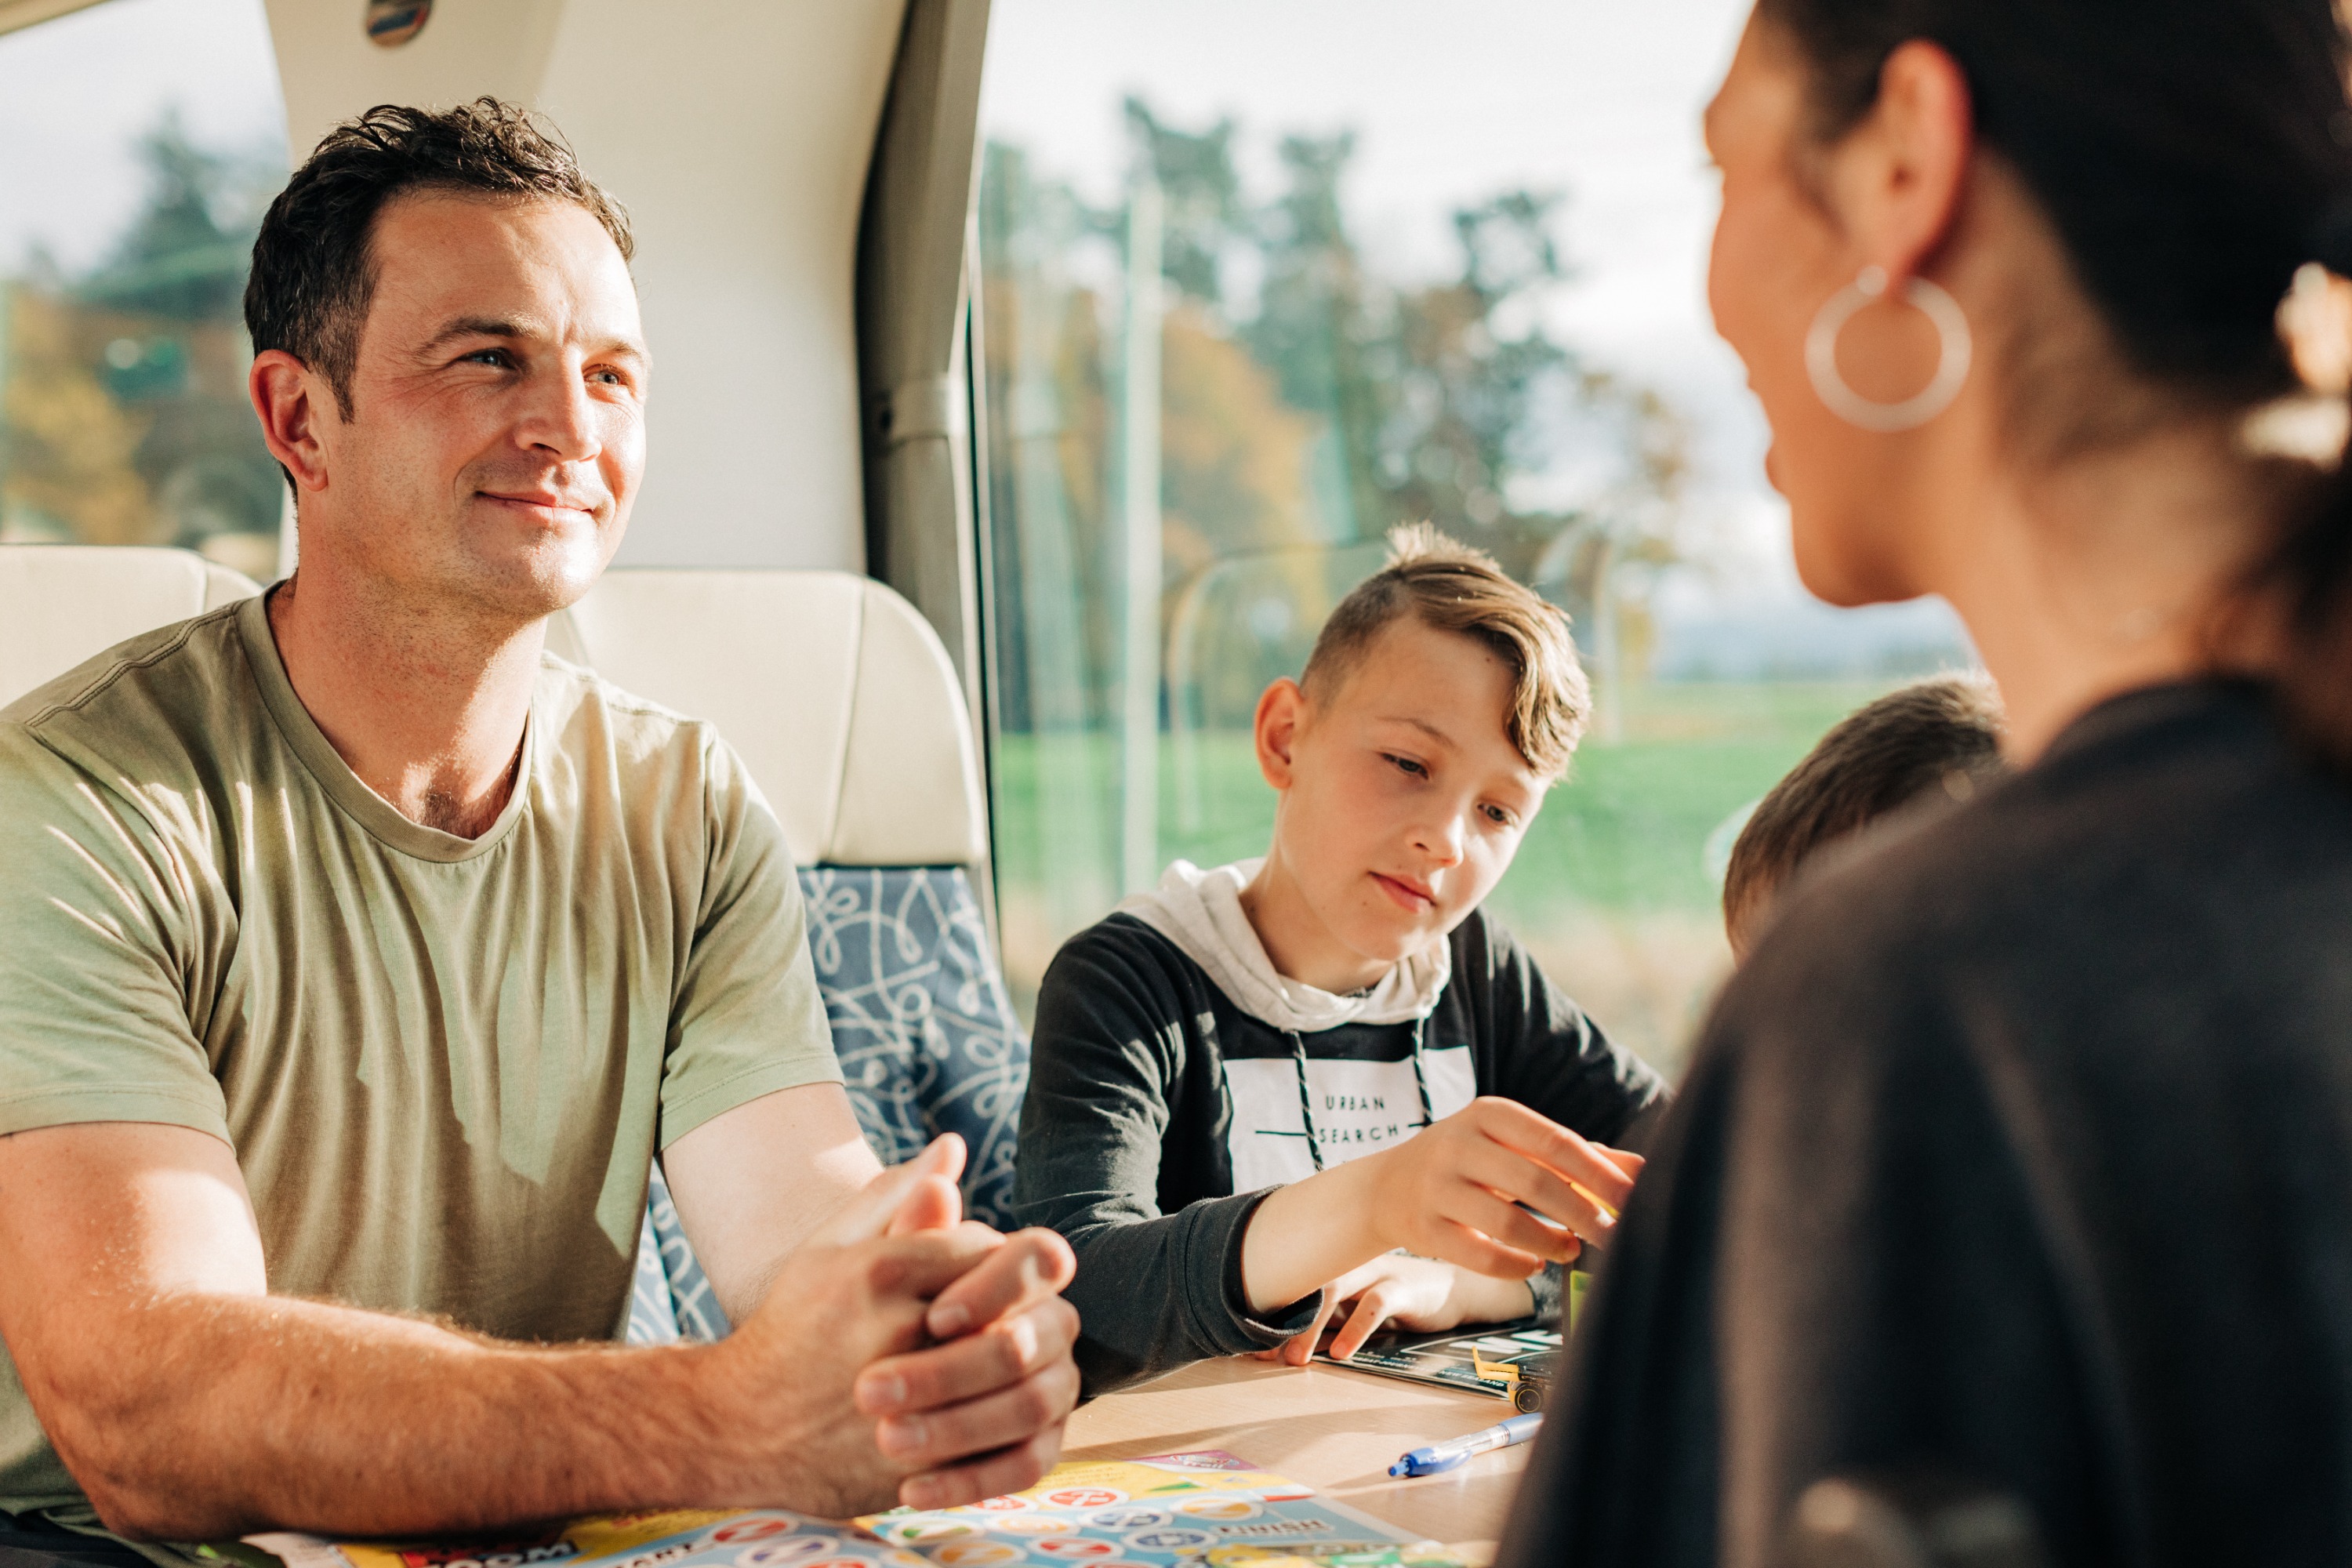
[{"x": 355, "y": 960}]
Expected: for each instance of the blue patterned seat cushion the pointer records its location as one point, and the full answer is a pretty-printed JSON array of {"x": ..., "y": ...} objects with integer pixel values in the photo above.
[{"x": 928, "y": 1044}]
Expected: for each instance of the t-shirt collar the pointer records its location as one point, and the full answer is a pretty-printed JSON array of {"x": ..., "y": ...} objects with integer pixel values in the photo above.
[{"x": 344, "y": 788}]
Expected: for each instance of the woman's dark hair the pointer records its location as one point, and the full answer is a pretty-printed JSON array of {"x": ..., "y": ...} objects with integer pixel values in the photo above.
[
  {"x": 313, "y": 275},
  {"x": 2190, "y": 154}
]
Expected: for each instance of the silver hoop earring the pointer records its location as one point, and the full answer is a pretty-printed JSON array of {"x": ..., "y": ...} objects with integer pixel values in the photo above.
[{"x": 1953, "y": 348}]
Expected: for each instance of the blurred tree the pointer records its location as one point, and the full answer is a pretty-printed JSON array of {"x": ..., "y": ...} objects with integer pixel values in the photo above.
[{"x": 125, "y": 413}]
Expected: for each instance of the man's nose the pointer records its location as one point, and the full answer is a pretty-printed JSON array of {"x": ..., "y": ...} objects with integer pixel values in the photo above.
[{"x": 560, "y": 418}]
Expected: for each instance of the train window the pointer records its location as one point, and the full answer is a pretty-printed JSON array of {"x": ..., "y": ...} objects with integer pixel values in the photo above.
[
  {"x": 1258, "y": 283},
  {"x": 139, "y": 143}
]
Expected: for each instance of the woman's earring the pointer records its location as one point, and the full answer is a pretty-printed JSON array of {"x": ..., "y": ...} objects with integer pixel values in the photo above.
[{"x": 1953, "y": 348}]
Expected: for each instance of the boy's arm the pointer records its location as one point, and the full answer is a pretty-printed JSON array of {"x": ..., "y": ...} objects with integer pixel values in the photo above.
[
  {"x": 191, "y": 1404},
  {"x": 1451, "y": 1191},
  {"x": 1153, "y": 1290}
]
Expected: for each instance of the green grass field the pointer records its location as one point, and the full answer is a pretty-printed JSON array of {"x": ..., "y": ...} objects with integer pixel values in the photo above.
[
  {"x": 1610, "y": 890},
  {"x": 1623, "y": 832}
]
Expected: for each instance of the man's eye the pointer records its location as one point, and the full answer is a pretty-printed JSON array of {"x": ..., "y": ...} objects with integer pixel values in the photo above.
[{"x": 486, "y": 356}]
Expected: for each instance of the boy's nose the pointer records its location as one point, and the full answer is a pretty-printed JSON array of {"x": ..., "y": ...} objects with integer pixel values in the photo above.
[{"x": 1441, "y": 839}]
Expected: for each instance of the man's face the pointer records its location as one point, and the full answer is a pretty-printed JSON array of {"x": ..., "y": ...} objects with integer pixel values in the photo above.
[
  {"x": 1403, "y": 799},
  {"x": 496, "y": 432}
]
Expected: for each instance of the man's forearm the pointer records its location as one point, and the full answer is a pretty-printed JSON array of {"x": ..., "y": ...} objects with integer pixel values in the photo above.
[{"x": 263, "y": 1411}]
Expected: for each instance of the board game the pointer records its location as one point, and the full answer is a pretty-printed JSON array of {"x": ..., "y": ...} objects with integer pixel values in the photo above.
[
  {"x": 1188, "y": 1508},
  {"x": 1452, "y": 1361}
]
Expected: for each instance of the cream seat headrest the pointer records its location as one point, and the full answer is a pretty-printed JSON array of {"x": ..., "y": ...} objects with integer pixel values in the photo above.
[
  {"x": 63, "y": 604},
  {"x": 836, "y": 692}
]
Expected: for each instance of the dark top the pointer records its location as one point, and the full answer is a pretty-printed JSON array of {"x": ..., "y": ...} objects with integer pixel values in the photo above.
[
  {"x": 2021, "y": 1152},
  {"x": 1149, "y": 1088}
]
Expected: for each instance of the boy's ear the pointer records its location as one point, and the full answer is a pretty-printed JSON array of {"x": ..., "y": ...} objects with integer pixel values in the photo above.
[{"x": 1279, "y": 711}]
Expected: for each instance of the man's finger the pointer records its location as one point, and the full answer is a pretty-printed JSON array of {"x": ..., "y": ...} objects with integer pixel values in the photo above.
[
  {"x": 1002, "y": 1353},
  {"x": 991, "y": 1475},
  {"x": 870, "y": 1213},
  {"x": 1033, "y": 1265},
  {"x": 930, "y": 1439},
  {"x": 925, "y": 1262}
]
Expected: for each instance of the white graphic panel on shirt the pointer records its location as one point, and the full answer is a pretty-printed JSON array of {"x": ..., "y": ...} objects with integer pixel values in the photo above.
[{"x": 1361, "y": 1108}]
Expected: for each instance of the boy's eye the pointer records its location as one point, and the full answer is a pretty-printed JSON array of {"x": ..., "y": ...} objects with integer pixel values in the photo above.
[
  {"x": 1407, "y": 765},
  {"x": 1500, "y": 817}
]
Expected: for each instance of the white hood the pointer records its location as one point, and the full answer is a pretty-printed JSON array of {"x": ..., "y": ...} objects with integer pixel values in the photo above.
[{"x": 1200, "y": 912}]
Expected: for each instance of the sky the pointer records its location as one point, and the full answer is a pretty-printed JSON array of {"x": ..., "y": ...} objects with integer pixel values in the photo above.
[{"x": 75, "y": 93}]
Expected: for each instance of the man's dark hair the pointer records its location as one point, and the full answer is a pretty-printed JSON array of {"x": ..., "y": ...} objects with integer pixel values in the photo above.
[
  {"x": 313, "y": 270},
  {"x": 1934, "y": 737}
]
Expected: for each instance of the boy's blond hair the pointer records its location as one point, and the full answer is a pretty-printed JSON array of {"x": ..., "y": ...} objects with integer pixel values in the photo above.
[{"x": 1451, "y": 587}]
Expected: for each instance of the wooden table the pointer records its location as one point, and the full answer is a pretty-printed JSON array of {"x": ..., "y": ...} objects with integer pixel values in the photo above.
[{"x": 1336, "y": 1430}]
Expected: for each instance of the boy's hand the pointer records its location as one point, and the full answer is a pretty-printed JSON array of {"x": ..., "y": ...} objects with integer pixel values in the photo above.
[
  {"x": 1452, "y": 1192},
  {"x": 1417, "y": 1293}
]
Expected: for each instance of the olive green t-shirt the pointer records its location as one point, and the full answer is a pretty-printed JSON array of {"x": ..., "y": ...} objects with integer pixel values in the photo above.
[{"x": 445, "y": 1065}]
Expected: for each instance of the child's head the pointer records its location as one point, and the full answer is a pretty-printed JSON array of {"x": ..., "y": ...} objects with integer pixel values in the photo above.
[
  {"x": 1440, "y": 701},
  {"x": 1933, "y": 738}
]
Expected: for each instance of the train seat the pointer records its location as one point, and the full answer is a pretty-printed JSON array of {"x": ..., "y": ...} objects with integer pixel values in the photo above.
[
  {"x": 61, "y": 604},
  {"x": 841, "y": 700}
]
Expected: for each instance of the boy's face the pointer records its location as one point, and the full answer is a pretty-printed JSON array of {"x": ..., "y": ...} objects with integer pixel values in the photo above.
[{"x": 1403, "y": 800}]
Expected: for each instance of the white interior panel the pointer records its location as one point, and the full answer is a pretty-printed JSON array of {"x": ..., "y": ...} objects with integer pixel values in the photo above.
[{"x": 738, "y": 137}]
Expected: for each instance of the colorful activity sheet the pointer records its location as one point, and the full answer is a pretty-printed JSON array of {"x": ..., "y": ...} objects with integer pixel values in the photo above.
[
  {"x": 1157, "y": 1512},
  {"x": 1131, "y": 1513}
]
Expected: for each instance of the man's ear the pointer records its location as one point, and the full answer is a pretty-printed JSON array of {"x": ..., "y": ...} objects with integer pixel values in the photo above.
[
  {"x": 1280, "y": 711},
  {"x": 292, "y": 402}
]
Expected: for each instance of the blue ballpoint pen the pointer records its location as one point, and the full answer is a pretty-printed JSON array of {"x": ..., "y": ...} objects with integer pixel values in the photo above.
[{"x": 1439, "y": 1456}]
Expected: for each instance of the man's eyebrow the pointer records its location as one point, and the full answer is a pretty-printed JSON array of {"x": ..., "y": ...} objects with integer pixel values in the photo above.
[
  {"x": 479, "y": 327},
  {"x": 515, "y": 327}
]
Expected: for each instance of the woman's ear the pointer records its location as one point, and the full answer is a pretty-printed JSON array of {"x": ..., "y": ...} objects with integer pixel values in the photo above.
[
  {"x": 1280, "y": 712},
  {"x": 1900, "y": 173}
]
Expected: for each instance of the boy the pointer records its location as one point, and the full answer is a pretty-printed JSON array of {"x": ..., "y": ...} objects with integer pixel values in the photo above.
[
  {"x": 1254, "y": 1090},
  {"x": 1932, "y": 741}
]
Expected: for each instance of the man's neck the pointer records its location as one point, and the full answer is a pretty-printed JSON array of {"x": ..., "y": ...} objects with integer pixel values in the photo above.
[{"x": 426, "y": 704}]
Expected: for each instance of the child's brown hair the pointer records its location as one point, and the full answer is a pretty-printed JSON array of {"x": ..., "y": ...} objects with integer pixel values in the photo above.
[
  {"x": 1941, "y": 733},
  {"x": 1453, "y": 588}
]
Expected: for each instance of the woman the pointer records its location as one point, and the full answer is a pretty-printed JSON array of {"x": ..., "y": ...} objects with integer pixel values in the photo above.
[{"x": 2020, "y": 1154}]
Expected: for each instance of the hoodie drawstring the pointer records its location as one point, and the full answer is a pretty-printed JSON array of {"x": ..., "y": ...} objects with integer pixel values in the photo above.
[{"x": 1307, "y": 1097}]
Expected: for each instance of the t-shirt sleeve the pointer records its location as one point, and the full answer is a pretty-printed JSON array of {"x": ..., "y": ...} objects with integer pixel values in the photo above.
[
  {"x": 1550, "y": 1056},
  {"x": 1153, "y": 1290},
  {"x": 102, "y": 963},
  {"x": 747, "y": 1019}
]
